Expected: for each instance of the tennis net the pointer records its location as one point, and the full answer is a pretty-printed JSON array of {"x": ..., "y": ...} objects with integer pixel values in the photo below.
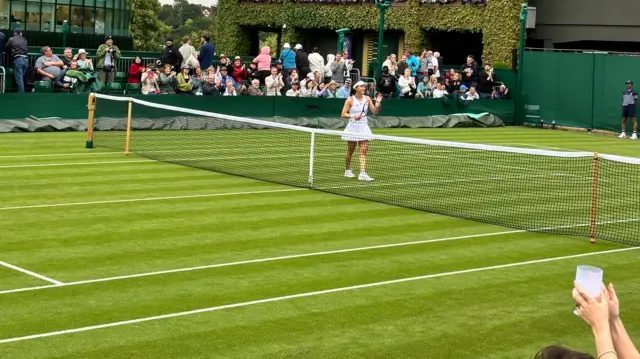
[{"x": 568, "y": 193}]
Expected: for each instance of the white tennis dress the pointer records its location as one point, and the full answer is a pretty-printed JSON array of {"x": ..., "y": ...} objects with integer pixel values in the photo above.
[{"x": 361, "y": 126}]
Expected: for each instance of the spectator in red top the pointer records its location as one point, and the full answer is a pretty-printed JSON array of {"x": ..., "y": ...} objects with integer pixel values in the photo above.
[
  {"x": 135, "y": 71},
  {"x": 239, "y": 71}
]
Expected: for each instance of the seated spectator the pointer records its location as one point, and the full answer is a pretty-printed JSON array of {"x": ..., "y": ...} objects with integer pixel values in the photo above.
[
  {"x": 197, "y": 81},
  {"x": 238, "y": 71},
  {"x": 327, "y": 67},
  {"x": 294, "y": 91},
  {"x": 407, "y": 84},
  {"x": 210, "y": 87},
  {"x": 470, "y": 72},
  {"x": 440, "y": 91},
  {"x": 501, "y": 94},
  {"x": 183, "y": 80},
  {"x": 332, "y": 90},
  {"x": 451, "y": 74},
  {"x": 317, "y": 77},
  {"x": 67, "y": 58},
  {"x": 48, "y": 66},
  {"x": 473, "y": 94},
  {"x": 224, "y": 61},
  {"x": 303, "y": 83},
  {"x": 288, "y": 58},
  {"x": 309, "y": 89},
  {"x": 107, "y": 55},
  {"x": 463, "y": 92},
  {"x": 337, "y": 70},
  {"x": 83, "y": 61},
  {"x": 264, "y": 63},
  {"x": 345, "y": 91},
  {"x": 457, "y": 82},
  {"x": 224, "y": 76},
  {"x": 321, "y": 90},
  {"x": 230, "y": 89},
  {"x": 67, "y": 82},
  {"x": 293, "y": 77},
  {"x": 274, "y": 83},
  {"x": 391, "y": 64},
  {"x": 388, "y": 82},
  {"x": 135, "y": 71},
  {"x": 188, "y": 53},
  {"x": 423, "y": 90},
  {"x": 149, "y": 81},
  {"x": 254, "y": 89},
  {"x": 486, "y": 81},
  {"x": 168, "y": 80},
  {"x": 430, "y": 87}
]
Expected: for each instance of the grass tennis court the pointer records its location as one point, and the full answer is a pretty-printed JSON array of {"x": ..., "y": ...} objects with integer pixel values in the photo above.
[{"x": 124, "y": 257}]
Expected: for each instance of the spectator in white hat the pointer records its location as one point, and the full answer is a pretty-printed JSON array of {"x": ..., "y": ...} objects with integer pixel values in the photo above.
[
  {"x": 302, "y": 61},
  {"x": 288, "y": 58},
  {"x": 83, "y": 61}
]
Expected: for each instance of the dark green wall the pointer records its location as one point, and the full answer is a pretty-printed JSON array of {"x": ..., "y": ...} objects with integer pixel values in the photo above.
[
  {"x": 578, "y": 89},
  {"x": 66, "y": 106}
]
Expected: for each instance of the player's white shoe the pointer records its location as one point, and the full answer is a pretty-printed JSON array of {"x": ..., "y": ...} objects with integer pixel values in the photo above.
[
  {"x": 634, "y": 136},
  {"x": 622, "y": 135},
  {"x": 349, "y": 174},
  {"x": 364, "y": 177}
]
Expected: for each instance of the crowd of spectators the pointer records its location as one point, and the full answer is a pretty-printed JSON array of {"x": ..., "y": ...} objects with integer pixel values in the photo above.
[
  {"x": 421, "y": 77},
  {"x": 294, "y": 73}
]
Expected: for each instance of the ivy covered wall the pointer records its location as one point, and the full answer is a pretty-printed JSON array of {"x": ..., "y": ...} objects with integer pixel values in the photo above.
[{"x": 498, "y": 21}]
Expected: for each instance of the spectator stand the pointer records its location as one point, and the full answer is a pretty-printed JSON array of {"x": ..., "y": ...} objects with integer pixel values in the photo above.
[{"x": 372, "y": 86}]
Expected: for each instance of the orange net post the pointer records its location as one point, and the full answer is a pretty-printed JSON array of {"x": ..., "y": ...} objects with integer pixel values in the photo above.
[
  {"x": 593, "y": 225},
  {"x": 127, "y": 145},
  {"x": 90, "y": 120}
]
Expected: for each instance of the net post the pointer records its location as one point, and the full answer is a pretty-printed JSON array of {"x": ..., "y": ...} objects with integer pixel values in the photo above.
[
  {"x": 593, "y": 224},
  {"x": 311, "y": 157},
  {"x": 127, "y": 145},
  {"x": 90, "y": 120}
]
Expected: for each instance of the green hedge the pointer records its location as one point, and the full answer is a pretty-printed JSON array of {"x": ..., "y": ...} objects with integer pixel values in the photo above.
[{"x": 498, "y": 21}]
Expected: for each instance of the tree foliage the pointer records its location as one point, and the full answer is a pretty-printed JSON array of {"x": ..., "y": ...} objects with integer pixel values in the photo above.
[
  {"x": 147, "y": 30},
  {"x": 498, "y": 21},
  {"x": 187, "y": 19}
]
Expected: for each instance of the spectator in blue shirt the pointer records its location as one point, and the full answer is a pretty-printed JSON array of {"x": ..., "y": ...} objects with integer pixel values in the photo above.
[
  {"x": 629, "y": 104},
  {"x": 206, "y": 52},
  {"x": 288, "y": 58},
  {"x": 412, "y": 62},
  {"x": 345, "y": 91}
]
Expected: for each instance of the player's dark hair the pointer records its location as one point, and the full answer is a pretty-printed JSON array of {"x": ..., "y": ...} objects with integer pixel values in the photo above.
[{"x": 559, "y": 352}]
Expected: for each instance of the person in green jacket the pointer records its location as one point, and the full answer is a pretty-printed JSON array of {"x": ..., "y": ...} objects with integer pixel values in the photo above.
[{"x": 107, "y": 55}]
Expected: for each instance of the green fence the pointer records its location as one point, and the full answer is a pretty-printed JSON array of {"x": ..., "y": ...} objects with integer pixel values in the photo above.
[
  {"x": 578, "y": 89},
  {"x": 21, "y": 106}
]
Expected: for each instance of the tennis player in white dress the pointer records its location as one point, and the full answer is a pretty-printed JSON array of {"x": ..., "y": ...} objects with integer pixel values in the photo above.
[{"x": 356, "y": 109}]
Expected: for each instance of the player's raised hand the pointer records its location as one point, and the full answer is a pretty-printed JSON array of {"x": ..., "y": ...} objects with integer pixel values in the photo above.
[{"x": 378, "y": 98}]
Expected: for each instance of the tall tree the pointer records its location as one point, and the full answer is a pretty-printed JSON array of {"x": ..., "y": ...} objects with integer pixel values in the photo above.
[{"x": 147, "y": 30}]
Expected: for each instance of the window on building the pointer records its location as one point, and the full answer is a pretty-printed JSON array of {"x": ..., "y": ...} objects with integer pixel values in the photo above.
[
  {"x": 108, "y": 22},
  {"x": 89, "y": 21},
  {"x": 75, "y": 19},
  {"x": 100, "y": 19},
  {"x": 62, "y": 14},
  {"x": 32, "y": 21},
  {"x": 4, "y": 14},
  {"x": 47, "y": 22},
  {"x": 18, "y": 14}
]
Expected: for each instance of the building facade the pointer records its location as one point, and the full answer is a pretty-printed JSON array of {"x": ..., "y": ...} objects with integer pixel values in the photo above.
[{"x": 84, "y": 17}]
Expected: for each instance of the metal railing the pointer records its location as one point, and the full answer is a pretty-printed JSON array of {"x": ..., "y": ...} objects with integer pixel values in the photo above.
[{"x": 372, "y": 86}]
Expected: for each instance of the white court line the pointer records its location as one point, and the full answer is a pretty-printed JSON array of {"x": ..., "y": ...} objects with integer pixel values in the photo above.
[
  {"x": 152, "y": 199},
  {"x": 547, "y": 147},
  {"x": 260, "y": 260},
  {"x": 303, "y": 295},
  {"x": 33, "y": 274},
  {"x": 64, "y": 154},
  {"x": 76, "y": 164}
]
